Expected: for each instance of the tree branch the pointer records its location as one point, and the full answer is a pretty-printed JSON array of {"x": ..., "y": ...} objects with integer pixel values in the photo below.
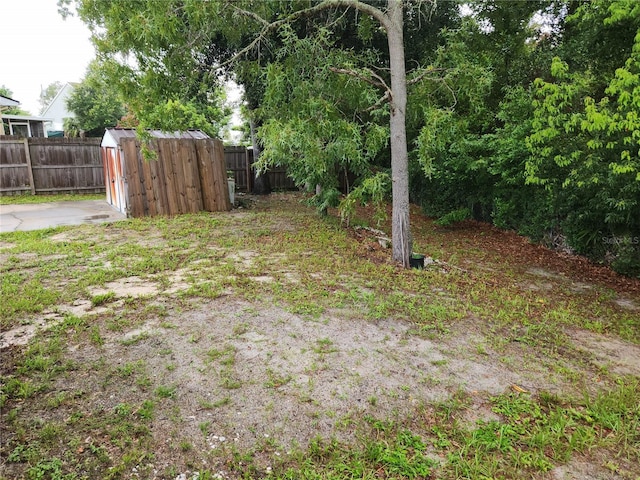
[
  {"x": 379, "y": 78},
  {"x": 377, "y": 81},
  {"x": 423, "y": 74},
  {"x": 385, "y": 98},
  {"x": 268, "y": 27}
]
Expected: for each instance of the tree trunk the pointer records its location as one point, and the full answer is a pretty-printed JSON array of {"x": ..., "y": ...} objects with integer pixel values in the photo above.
[
  {"x": 400, "y": 230},
  {"x": 261, "y": 184}
]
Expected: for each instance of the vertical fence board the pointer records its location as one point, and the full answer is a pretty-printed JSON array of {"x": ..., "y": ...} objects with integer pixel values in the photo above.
[
  {"x": 135, "y": 200},
  {"x": 29, "y": 166},
  {"x": 192, "y": 187},
  {"x": 178, "y": 175},
  {"x": 14, "y": 170},
  {"x": 220, "y": 185},
  {"x": 204, "y": 153},
  {"x": 157, "y": 179},
  {"x": 164, "y": 156},
  {"x": 146, "y": 166}
]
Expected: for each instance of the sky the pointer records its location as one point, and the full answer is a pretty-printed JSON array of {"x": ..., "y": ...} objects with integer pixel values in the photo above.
[{"x": 38, "y": 48}]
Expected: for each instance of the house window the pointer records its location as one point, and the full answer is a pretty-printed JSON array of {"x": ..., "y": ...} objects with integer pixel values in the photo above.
[
  {"x": 21, "y": 129},
  {"x": 37, "y": 130}
]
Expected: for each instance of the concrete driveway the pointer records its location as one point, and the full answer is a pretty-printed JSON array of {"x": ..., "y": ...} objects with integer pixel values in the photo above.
[{"x": 36, "y": 216}]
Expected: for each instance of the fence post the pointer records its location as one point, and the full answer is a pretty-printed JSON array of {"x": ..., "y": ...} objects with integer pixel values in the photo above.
[
  {"x": 247, "y": 164},
  {"x": 28, "y": 156}
]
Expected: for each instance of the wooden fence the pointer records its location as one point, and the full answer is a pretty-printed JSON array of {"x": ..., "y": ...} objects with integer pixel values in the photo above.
[
  {"x": 239, "y": 160},
  {"x": 50, "y": 165},
  {"x": 186, "y": 176},
  {"x": 75, "y": 165}
]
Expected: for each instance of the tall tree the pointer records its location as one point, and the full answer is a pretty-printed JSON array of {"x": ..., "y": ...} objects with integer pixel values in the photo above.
[
  {"x": 95, "y": 103},
  {"x": 159, "y": 56},
  {"x": 391, "y": 20}
]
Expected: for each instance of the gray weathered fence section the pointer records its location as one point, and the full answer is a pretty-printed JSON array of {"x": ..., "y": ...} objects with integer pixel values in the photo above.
[
  {"x": 50, "y": 165},
  {"x": 239, "y": 161}
]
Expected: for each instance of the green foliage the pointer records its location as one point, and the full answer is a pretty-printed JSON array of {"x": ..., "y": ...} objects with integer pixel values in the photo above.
[
  {"x": 71, "y": 127},
  {"x": 556, "y": 155},
  {"x": 454, "y": 216},
  {"x": 373, "y": 189},
  {"x": 95, "y": 102},
  {"x": 311, "y": 115},
  {"x": 450, "y": 114},
  {"x": 159, "y": 57},
  {"x": 585, "y": 150}
]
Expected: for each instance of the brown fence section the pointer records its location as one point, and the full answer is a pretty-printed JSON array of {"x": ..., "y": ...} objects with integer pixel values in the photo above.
[
  {"x": 75, "y": 165},
  {"x": 186, "y": 176},
  {"x": 239, "y": 160},
  {"x": 50, "y": 165}
]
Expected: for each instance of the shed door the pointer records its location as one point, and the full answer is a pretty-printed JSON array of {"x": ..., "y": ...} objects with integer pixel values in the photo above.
[{"x": 115, "y": 180}]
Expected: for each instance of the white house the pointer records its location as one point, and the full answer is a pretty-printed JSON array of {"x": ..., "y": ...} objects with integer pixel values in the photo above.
[
  {"x": 22, "y": 125},
  {"x": 57, "y": 108}
]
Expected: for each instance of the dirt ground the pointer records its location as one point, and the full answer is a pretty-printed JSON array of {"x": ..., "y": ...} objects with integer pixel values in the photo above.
[
  {"x": 279, "y": 379},
  {"x": 299, "y": 378}
]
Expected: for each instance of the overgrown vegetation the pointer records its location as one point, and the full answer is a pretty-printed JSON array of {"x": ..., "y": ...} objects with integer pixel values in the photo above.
[
  {"x": 523, "y": 114},
  {"x": 100, "y": 392}
]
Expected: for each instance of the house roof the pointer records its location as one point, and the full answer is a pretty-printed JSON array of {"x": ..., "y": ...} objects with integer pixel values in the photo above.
[
  {"x": 8, "y": 102},
  {"x": 26, "y": 117},
  {"x": 66, "y": 86},
  {"x": 119, "y": 133}
]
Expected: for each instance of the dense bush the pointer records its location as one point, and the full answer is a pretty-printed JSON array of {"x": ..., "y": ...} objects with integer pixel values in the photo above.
[{"x": 544, "y": 147}]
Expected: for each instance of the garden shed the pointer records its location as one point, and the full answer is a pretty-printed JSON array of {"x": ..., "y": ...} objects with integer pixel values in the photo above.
[{"x": 186, "y": 175}]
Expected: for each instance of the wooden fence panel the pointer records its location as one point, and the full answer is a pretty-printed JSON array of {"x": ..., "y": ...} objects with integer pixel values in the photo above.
[
  {"x": 239, "y": 161},
  {"x": 51, "y": 165},
  {"x": 192, "y": 187},
  {"x": 187, "y": 176},
  {"x": 220, "y": 185},
  {"x": 279, "y": 180},
  {"x": 164, "y": 156},
  {"x": 213, "y": 176},
  {"x": 161, "y": 199},
  {"x": 147, "y": 178},
  {"x": 204, "y": 151},
  {"x": 14, "y": 169},
  {"x": 236, "y": 162},
  {"x": 135, "y": 199},
  {"x": 178, "y": 185},
  {"x": 66, "y": 164}
]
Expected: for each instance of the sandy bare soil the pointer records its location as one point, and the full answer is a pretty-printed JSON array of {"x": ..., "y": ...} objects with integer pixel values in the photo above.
[{"x": 254, "y": 376}]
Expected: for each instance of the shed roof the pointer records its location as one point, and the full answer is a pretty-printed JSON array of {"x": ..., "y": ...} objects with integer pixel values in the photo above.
[{"x": 119, "y": 133}]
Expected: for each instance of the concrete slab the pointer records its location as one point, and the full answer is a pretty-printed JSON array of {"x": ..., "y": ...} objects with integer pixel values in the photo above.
[{"x": 35, "y": 216}]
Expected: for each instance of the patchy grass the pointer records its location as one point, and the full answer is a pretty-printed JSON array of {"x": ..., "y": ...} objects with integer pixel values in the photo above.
[{"x": 270, "y": 343}]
